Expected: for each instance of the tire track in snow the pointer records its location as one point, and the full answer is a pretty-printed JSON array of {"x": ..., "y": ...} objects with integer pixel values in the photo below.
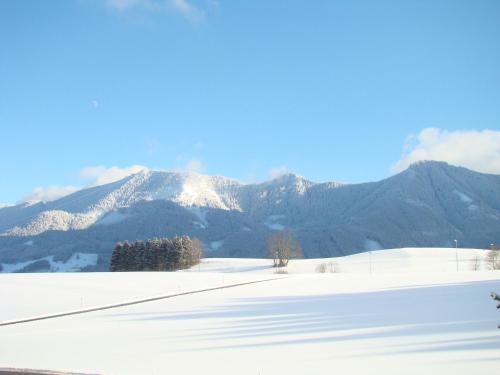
[{"x": 129, "y": 303}]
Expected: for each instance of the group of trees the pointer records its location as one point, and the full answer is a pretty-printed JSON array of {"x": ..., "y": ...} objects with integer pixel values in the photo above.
[
  {"x": 156, "y": 254},
  {"x": 164, "y": 254}
]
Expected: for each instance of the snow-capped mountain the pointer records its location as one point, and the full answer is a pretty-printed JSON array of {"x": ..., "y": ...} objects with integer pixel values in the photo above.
[
  {"x": 429, "y": 204},
  {"x": 85, "y": 208}
]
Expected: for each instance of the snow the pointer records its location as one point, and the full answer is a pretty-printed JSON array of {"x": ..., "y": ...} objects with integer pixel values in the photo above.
[
  {"x": 36, "y": 294},
  {"x": 463, "y": 197},
  {"x": 75, "y": 263},
  {"x": 371, "y": 245},
  {"x": 216, "y": 245},
  {"x": 272, "y": 222},
  {"x": 201, "y": 215},
  {"x": 13, "y": 267},
  {"x": 112, "y": 218},
  {"x": 54, "y": 220},
  {"x": 206, "y": 191},
  {"x": 467, "y": 200},
  {"x": 392, "y": 261},
  {"x": 275, "y": 226},
  {"x": 89, "y": 206},
  {"x": 413, "y": 321}
]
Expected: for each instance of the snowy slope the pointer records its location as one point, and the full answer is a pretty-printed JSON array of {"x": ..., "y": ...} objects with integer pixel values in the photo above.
[
  {"x": 393, "y": 261},
  {"x": 84, "y": 208},
  {"x": 308, "y": 323}
]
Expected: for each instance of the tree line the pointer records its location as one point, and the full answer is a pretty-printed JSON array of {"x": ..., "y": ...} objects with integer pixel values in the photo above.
[{"x": 159, "y": 254}]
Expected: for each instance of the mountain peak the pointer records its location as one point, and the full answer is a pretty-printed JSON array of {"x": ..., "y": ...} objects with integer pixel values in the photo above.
[
  {"x": 431, "y": 167},
  {"x": 426, "y": 164},
  {"x": 290, "y": 177}
]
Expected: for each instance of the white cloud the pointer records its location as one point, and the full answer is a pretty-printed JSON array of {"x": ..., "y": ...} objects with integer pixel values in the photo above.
[
  {"x": 193, "y": 165},
  {"x": 278, "y": 171},
  {"x": 3, "y": 205},
  {"x": 96, "y": 175},
  {"x": 47, "y": 194},
  {"x": 188, "y": 164},
  {"x": 122, "y": 5},
  {"x": 100, "y": 175},
  {"x": 189, "y": 11},
  {"x": 476, "y": 150},
  {"x": 184, "y": 7}
]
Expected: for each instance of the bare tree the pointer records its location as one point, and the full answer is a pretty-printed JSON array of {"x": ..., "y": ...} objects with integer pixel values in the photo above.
[
  {"x": 197, "y": 252},
  {"x": 282, "y": 246},
  {"x": 475, "y": 263},
  {"x": 493, "y": 259}
]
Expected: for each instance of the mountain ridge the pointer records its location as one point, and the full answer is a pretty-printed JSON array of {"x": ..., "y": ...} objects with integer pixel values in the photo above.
[{"x": 428, "y": 204}]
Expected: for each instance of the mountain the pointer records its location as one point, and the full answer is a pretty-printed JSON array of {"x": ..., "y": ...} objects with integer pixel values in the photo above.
[{"x": 429, "y": 204}]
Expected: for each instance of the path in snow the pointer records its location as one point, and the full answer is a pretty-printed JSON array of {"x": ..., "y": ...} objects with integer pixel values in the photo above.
[{"x": 129, "y": 303}]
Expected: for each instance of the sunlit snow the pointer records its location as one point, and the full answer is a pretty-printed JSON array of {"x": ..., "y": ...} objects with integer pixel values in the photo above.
[{"x": 411, "y": 312}]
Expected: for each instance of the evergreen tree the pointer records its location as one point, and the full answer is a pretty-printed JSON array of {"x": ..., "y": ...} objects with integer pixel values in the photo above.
[
  {"x": 174, "y": 254},
  {"x": 115, "y": 264},
  {"x": 125, "y": 263},
  {"x": 139, "y": 254}
]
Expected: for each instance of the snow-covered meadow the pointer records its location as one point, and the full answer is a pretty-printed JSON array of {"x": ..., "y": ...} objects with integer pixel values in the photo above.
[{"x": 390, "y": 311}]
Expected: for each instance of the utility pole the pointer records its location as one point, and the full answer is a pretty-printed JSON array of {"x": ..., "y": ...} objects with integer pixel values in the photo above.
[{"x": 456, "y": 253}]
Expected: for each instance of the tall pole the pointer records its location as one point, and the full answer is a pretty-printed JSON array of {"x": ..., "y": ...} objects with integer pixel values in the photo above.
[{"x": 456, "y": 253}]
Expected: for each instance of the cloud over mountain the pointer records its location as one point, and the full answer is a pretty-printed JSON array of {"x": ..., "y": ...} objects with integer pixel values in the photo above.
[
  {"x": 50, "y": 193},
  {"x": 100, "y": 175},
  {"x": 476, "y": 150}
]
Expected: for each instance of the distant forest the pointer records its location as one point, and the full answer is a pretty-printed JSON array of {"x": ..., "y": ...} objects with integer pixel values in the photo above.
[{"x": 156, "y": 254}]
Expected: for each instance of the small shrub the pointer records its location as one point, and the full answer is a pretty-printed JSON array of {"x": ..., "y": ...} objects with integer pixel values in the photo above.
[
  {"x": 330, "y": 267},
  {"x": 333, "y": 267},
  {"x": 321, "y": 268}
]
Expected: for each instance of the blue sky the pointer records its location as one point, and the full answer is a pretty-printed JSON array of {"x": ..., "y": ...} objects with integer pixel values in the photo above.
[{"x": 333, "y": 90}]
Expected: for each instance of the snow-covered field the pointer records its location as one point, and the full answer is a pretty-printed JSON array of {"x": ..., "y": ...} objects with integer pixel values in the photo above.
[
  {"x": 375, "y": 262},
  {"x": 392, "y": 312}
]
